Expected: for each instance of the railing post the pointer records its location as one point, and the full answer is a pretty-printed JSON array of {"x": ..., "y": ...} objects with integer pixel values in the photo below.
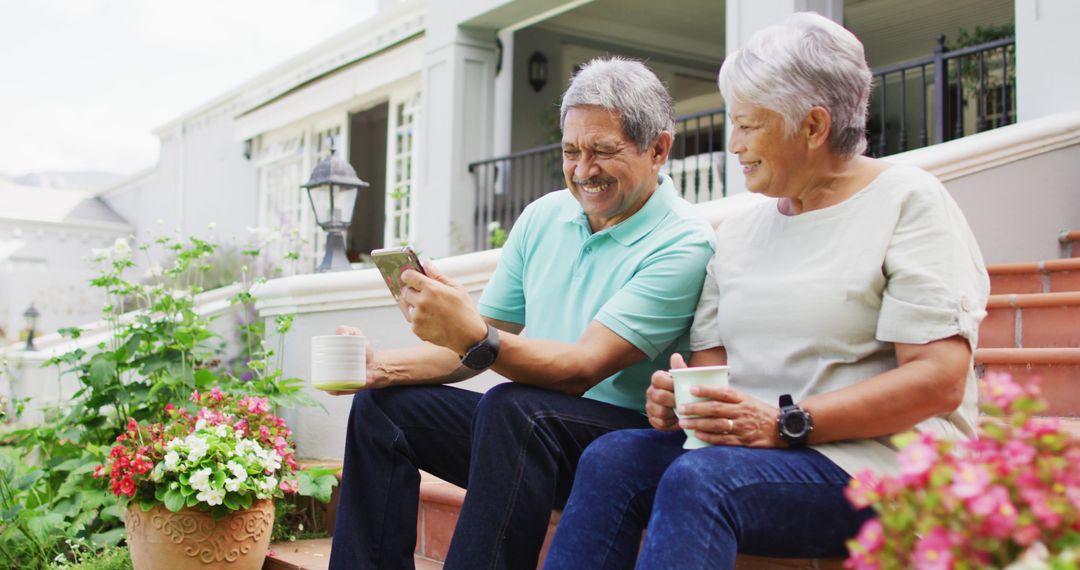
[{"x": 941, "y": 79}]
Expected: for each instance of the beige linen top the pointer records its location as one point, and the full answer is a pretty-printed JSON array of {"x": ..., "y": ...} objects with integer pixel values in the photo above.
[{"x": 812, "y": 303}]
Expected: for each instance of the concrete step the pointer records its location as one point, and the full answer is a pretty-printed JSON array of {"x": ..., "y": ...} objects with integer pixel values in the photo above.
[
  {"x": 1032, "y": 320},
  {"x": 1070, "y": 243},
  {"x": 1050, "y": 276},
  {"x": 1057, "y": 368}
]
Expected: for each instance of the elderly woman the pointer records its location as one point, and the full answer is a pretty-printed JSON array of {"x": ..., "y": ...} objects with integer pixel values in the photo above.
[{"x": 852, "y": 298}]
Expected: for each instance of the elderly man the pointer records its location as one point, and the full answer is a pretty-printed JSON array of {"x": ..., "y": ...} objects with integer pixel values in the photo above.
[{"x": 595, "y": 286}]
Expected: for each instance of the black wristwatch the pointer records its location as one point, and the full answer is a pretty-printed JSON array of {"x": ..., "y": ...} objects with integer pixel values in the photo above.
[
  {"x": 483, "y": 354},
  {"x": 795, "y": 423}
]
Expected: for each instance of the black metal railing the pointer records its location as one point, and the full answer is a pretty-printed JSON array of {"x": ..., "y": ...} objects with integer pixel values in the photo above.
[
  {"x": 506, "y": 184},
  {"x": 944, "y": 96},
  {"x": 923, "y": 101}
]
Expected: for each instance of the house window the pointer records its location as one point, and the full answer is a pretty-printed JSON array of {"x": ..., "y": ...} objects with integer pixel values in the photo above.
[
  {"x": 403, "y": 178},
  {"x": 283, "y": 205}
]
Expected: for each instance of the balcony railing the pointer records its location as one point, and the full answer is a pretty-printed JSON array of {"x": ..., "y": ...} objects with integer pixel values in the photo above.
[
  {"x": 944, "y": 96},
  {"x": 506, "y": 184}
]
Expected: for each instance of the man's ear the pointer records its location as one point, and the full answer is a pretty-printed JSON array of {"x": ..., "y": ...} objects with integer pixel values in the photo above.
[
  {"x": 816, "y": 127},
  {"x": 661, "y": 148}
]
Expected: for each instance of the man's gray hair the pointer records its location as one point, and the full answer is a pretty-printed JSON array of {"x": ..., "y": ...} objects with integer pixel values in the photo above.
[
  {"x": 628, "y": 87},
  {"x": 806, "y": 61}
]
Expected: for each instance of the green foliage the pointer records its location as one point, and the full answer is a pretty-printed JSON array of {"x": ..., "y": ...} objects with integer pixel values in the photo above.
[
  {"x": 159, "y": 350},
  {"x": 112, "y": 558}
]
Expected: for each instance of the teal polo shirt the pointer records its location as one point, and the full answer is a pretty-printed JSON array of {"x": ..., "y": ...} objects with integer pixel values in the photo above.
[{"x": 640, "y": 278}]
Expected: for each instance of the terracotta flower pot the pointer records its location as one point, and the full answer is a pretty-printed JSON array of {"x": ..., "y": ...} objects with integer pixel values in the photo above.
[{"x": 159, "y": 539}]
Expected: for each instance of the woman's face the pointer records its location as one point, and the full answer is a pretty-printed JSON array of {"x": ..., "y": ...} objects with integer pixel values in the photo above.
[{"x": 771, "y": 159}]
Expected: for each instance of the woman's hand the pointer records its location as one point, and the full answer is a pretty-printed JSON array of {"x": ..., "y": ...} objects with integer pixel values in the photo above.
[
  {"x": 660, "y": 398},
  {"x": 371, "y": 373},
  {"x": 730, "y": 417}
]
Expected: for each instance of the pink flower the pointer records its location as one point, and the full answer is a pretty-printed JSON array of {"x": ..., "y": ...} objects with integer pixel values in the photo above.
[
  {"x": 1001, "y": 390},
  {"x": 918, "y": 458},
  {"x": 1026, "y": 535},
  {"x": 216, "y": 393},
  {"x": 863, "y": 489},
  {"x": 264, "y": 433},
  {"x": 934, "y": 551},
  {"x": 970, "y": 480},
  {"x": 195, "y": 397},
  {"x": 999, "y": 512},
  {"x": 1017, "y": 452},
  {"x": 865, "y": 546},
  {"x": 289, "y": 485}
]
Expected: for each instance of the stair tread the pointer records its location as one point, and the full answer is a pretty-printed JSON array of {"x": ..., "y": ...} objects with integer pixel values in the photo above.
[
  {"x": 1046, "y": 265},
  {"x": 1053, "y": 299},
  {"x": 314, "y": 554},
  {"x": 1067, "y": 355}
]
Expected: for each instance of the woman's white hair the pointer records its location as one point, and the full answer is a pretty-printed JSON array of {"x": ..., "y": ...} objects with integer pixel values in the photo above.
[
  {"x": 806, "y": 61},
  {"x": 627, "y": 87}
]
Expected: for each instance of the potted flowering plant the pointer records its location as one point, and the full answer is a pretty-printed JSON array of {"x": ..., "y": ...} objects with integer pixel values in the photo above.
[
  {"x": 1009, "y": 499},
  {"x": 200, "y": 485}
]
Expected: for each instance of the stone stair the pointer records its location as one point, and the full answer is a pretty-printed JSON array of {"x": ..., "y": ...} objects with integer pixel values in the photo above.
[{"x": 1032, "y": 330}]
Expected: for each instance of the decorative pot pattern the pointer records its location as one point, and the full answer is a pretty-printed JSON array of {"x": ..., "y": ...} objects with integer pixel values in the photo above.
[{"x": 190, "y": 538}]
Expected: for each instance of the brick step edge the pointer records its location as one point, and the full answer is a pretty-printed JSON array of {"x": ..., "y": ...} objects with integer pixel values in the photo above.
[{"x": 1030, "y": 300}]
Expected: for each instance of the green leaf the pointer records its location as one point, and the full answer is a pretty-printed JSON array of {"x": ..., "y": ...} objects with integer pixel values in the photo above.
[
  {"x": 102, "y": 371},
  {"x": 109, "y": 537},
  {"x": 230, "y": 501},
  {"x": 319, "y": 487},
  {"x": 174, "y": 500}
]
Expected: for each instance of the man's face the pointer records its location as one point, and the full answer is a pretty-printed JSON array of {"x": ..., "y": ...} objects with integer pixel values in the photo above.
[{"x": 604, "y": 169}]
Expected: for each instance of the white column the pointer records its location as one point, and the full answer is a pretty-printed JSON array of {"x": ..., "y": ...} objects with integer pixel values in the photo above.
[
  {"x": 1047, "y": 71},
  {"x": 743, "y": 18},
  {"x": 456, "y": 128}
]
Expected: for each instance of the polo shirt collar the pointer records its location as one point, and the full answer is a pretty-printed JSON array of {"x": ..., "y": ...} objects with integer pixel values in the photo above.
[{"x": 641, "y": 223}]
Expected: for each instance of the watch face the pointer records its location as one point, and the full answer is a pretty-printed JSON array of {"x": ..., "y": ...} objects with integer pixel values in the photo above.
[
  {"x": 480, "y": 357},
  {"x": 794, "y": 424}
]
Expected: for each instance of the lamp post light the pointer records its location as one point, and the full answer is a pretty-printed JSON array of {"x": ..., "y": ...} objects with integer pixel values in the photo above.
[
  {"x": 31, "y": 315},
  {"x": 332, "y": 191}
]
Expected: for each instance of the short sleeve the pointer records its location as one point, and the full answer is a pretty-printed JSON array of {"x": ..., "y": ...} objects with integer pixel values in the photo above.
[
  {"x": 504, "y": 295},
  {"x": 705, "y": 332},
  {"x": 657, "y": 305},
  {"x": 936, "y": 281}
]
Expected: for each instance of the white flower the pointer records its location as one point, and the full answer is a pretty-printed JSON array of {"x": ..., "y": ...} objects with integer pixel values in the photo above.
[
  {"x": 492, "y": 226},
  {"x": 212, "y": 496},
  {"x": 211, "y": 226},
  {"x": 197, "y": 448},
  {"x": 159, "y": 222},
  {"x": 222, "y": 431},
  {"x": 172, "y": 459},
  {"x": 154, "y": 271},
  {"x": 232, "y": 485},
  {"x": 200, "y": 480},
  {"x": 121, "y": 247}
]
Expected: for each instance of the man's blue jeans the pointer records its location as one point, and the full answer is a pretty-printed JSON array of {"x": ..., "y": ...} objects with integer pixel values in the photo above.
[
  {"x": 515, "y": 450},
  {"x": 701, "y": 506}
]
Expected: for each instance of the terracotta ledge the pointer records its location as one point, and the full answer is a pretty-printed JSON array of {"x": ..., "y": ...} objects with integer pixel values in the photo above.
[
  {"x": 1033, "y": 299},
  {"x": 1027, "y": 356},
  {"x": 1069, "y": 236},
  {"x": 1046, "y": 266}
]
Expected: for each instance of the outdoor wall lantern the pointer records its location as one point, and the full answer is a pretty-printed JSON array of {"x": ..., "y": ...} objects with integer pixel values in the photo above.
[
  {"x": 538, "y": 71},
  {"x": 31, "y": 315},
  {"x": 332, "y": 191}
]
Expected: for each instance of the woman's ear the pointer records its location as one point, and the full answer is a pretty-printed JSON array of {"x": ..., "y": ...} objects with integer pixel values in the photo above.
[{"x": 816, "y": 126}]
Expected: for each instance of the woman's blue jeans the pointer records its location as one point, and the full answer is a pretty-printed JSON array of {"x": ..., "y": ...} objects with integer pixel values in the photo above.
[
  {"x": 515, "y": 450},
  {"x": 701, "y": 506}
]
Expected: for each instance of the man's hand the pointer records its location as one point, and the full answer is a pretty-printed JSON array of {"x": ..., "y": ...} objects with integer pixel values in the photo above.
[
  {"x": 442, "y": 311},
  {"x": 660, "y": 398},
  {"x": 369, "y": 360}
]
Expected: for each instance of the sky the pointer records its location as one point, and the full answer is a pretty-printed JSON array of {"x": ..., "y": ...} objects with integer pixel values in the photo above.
[{"x": 84, "y": 82}]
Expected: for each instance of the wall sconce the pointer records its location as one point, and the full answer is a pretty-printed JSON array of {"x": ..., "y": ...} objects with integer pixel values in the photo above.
[
  {"x": 332, "y": 191},
  {"x": 31, "y": 315},
  {"x": 538, "y": 71}
]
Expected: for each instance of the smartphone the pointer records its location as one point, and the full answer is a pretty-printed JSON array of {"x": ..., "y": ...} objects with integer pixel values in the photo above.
[{"x": 392, "y": 262}]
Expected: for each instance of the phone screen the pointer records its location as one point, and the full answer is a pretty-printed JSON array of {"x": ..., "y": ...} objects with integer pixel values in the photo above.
[{"x": 392, "y": 262}]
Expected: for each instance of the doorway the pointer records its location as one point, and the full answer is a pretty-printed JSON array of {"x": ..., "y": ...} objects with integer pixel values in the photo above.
[{"x": 367, "y": 154}]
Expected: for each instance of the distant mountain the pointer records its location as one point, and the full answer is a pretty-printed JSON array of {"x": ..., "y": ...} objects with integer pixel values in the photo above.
[{"x": 79, "y": 180}]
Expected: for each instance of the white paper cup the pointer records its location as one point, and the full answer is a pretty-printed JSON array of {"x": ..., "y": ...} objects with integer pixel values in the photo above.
[
  {"x": 338, "y": 362},
  {"x": 685, "y": 378}
]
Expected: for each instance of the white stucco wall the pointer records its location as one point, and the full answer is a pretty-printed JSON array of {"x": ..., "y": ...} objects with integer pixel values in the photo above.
[{"x": 1047, "y": 69}]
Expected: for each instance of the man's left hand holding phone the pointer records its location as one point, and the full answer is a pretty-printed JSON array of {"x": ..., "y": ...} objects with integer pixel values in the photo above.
[{"x": 441, "y": 312}]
